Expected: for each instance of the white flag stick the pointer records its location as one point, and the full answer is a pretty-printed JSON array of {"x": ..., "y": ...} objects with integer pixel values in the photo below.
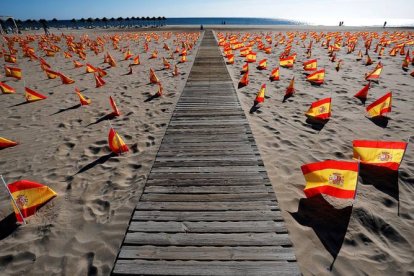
[{"x": 14, "y": 201}]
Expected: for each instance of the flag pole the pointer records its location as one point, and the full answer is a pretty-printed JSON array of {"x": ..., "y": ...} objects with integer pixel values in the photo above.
[
  {"x": 119, "y": 142},
  {"x": 14, "y": 201}
]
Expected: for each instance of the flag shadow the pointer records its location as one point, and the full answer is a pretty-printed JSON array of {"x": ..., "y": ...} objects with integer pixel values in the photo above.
[
  {"x": 382, "y": 178},
  {"x": 152, "y": 97},
  {"x": 109, "y": 116},
  {"x": 286, "y": 97},
  {"x": 66, "y": 109},
  {"x": 316, "y": 124},
  {"x": 100, "y": 160},
  {"x": 328, "y": 223},
  {"x": 8, "y": 225},
  {"x": 19, "y": 104},
  {"x": 380, "y": 121}
]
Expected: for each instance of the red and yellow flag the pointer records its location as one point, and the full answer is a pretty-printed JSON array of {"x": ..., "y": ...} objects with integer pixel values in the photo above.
[
  {"x": 153, "y": 77},
  {"x": 99, "y": 81},
  {"x": 183, "y": 59},
  {"x": 90, "y": 68},
  {"x": 316, "y": 77},
  {"x": 32, "y": 96},
  {"x": 320, "y": 109},
  {"x": 291, "y": 88},
  {"x": 262, "y": 64},
  {"x": 65, "y": 79},
  {"x": 363, "y": 93},
  {"x": 260, "y": 97},
  {"x": 83, "y": 100},
  {"x": 6, "y": 143},
  {"x": 251, "y": 57},
  {"x": 274, "y": 75},
  {"x": 244, "y": 81},
  {"x": 375, "y": 74},
  {"x": 77, "y": 64},
  {"x": 136, "y": 60},
  {"x": 175, "y": 73},
  {"x": 380, "y": 106},
  {"x": 287, "y": 62},
  {"x": 230, "y": 58},
  {"x": 13, "y": 72},
  {"x": 50, "y": 73},
  {"x": 29, "y": 197},
  {"x": 6, "y": 89},
  {"x": 167, "y": 65},
  {"x": 310, "y": 65},
  {"x": 334, "y": 178},
  {"x": 245, "y": 68},
  {"x": 380, "y": 153},
  {"x": 115, "y": 110},
  {"x": 10, "y": 58},
  {"x": 116, "y": 144}
]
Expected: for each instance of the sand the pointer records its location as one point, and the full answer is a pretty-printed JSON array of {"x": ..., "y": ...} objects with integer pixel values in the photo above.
[
  {"x": 372, "y": 235},
  {"x": 65, "y": 146}
]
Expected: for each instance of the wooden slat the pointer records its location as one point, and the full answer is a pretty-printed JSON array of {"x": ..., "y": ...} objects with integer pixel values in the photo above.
[
  {"x": 208, "y": 206},
  {"x": 211, "y": 239},
  {"x": 207, "y": 197},
  {"x": 208, "y": 253},
  {"x": 208, "y": 227},
  {"x": 144, "y": 267}
]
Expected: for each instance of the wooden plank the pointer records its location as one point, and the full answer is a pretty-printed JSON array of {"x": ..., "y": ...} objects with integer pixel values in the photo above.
[
  {"x": 209, "y": 189},
  {"x": 207, "y": 197},
  {"x": 145, "y": 267},
  {"x": 166, "y": 169},
  {"x": 207, "y": 227},
  {"x": 208, "y": 253},
  {"x": 215, "y": 239},
  {"x": 208, "y": 206},
  {"x": 206, "y": 215}
]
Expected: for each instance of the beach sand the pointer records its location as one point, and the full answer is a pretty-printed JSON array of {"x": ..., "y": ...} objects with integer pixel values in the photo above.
[
  {"x": 65, "y": 147},
  {"x": 373, "y": 235}
]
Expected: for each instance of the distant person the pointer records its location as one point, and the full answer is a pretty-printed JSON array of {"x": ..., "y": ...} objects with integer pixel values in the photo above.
[
  {"x": 385, "y": 24},
  {"x": 340, "y": 23},
  {"x": 45, "y": 27},
  {"x": 201, "y": 27}
]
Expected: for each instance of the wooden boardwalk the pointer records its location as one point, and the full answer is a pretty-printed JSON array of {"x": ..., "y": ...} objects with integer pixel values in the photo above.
[{"x": 208, "y": 207}]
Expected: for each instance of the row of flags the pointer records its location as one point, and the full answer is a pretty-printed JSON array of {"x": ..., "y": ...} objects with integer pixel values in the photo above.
[
  {"x": 339, "y": 178},
  {"x": 27, "y": 196}
]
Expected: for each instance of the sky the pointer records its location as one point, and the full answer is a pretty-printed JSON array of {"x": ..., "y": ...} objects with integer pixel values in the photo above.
[{"x": 311, "y": 11}]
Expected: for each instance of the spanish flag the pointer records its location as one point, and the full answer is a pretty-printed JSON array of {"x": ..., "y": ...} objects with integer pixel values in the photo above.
[
  {"x": 368, "y": 61},
  {"x": 50, "y": 73},
  {"x": 375, "y": 74},
  {"x": 99, "y": 81},
  {"x": 90, "y": 68},
  {"x": 287, "y": 62},
  {"x": 32, "y": 96},
  {"x": 6, "y": 143},
  {"x": 153, "y": 77},
  {"x": 77, "y": 64},
  {"x": 334, "y": 178},
  {"x": 183, "y": 59},
  {"x": 380, "y": 106},
  {"x": 363, "y": 93},
  {"x": 65, "y": 79},
  {"x": 6, "y": 89},
  {"x": 167, "y": 65},
  {"x": 136, "y": 60},
  {"x": 175, "y": 73},
  {"x": 262, "y": 64},
  {"x": 380, "y": 153},
  {"x": 274, "y": 75},
  {"x": 244, "y": 81},
  {"x": 13, "y": 72},
  {"x": 154, "y": 54},
  {"x": 116, "y": 144},
  {"x": 230, "y": 59},
  {"x": 160, "y": 90},
  {"x": 29, "y": 196},
  {"x": 291, "y": 88},
  {"x": 260, "y": 97},
  {"x": 310, "y": 65},
  {"x": 83, "y": 100},
  {"x": 251, "y": 57},
  {"x": 320, "y": 109},
  {"x": 115, "y": 110},
  {"x": 245, "y": 68},
  {"x": 10, "y": 58},
  {"x": 316, "y": 77}
]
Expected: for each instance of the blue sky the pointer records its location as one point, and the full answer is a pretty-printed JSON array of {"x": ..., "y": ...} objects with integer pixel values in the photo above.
[{"x": 305, "y": 10}]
